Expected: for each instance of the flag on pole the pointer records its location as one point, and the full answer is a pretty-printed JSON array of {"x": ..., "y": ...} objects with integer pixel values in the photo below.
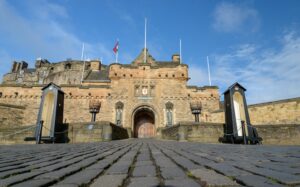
[{"x": 116, "y": 48}]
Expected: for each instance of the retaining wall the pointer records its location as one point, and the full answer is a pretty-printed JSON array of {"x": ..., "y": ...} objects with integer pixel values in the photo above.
[{"x": 285, "y": 134}]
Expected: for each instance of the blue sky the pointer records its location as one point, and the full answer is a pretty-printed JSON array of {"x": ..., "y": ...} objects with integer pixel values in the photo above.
[{"x": 256, "y": 43}]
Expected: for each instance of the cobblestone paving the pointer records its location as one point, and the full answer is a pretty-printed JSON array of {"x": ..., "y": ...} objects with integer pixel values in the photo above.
[{"x": 139, "y": 162}]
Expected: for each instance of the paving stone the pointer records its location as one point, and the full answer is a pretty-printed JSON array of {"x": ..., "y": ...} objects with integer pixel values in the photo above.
[
  {"x": 172, "y": 173},
  {"x": 257, "y": 181},
  {"x": 11, "y": 172},
  {"x": 185, "y": 163},
  {"x": 181, "y": 183},
  {"x": 59, "y": 173},
  {"x": 284, "y": 178},
  {"x": 163, "y": 161},
  {"x": 143, "y": 163},
  {"x": 81, "y": 178},
  {"x": 65, "y": 185},
  {"x": 118, "y": 169},
  {"x": 227, "y": 169},
  {"x": 101, "y": 164},
  {"x": 18, "y": 178},
  {"x": 143, "y": 157},
  {"x": 279, "y": 167},
  {"x": 34, "y": 183},
  {"x": 211, "y": 178},
  {"x": 144, "y": 171},
  {"x": 109, "y": 181},
  {"x": 144, "y": 181}
]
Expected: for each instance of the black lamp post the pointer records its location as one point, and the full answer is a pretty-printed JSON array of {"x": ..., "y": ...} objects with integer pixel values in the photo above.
[
  {"x": 196, "y": 107},
  {"x": 94, "y": 107}
]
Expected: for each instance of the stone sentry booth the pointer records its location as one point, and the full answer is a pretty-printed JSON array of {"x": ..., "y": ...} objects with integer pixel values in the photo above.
[{"x": 238, "y": 128}]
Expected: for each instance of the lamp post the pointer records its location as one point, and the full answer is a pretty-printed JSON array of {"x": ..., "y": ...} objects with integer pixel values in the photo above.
[
  {"x": 94, "y": 106},
  {"x": 196, "y": 107}
]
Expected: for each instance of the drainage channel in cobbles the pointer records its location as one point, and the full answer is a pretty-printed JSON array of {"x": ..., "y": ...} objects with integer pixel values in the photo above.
[{"x": 147, "y": 162}]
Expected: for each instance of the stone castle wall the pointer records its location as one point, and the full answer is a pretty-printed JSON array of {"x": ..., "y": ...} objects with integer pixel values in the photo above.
[
  {"x": 65, "y": 72},
  {"x": 283, "y": 134},
  {"x": 274, "y": 113},
  {"x": 76, "y": 105},
  {"x": 11, "y": 115}
]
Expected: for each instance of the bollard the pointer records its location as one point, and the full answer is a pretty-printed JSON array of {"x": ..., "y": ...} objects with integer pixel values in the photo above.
[{"x": 107, "y": 133}]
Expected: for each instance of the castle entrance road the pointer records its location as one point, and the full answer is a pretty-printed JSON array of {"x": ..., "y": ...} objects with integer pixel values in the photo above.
[{"x": 146, "y": 162}]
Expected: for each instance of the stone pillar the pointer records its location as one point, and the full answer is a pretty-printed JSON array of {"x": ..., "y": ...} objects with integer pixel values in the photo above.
[
  {"x": 182, "y": 133},
  {"x": 129, "y": 132},
  {"x": 158, "y": 133},
  {"x": 107, "y": 133}
]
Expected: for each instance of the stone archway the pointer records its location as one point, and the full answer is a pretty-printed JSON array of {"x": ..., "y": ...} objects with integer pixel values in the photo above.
[{"x": 143, "y": 126}]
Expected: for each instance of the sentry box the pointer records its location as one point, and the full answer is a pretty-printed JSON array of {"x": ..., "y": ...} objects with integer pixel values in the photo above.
[
  {"x": 238, "y": 128},
  {"x": 50, "y": 115}
]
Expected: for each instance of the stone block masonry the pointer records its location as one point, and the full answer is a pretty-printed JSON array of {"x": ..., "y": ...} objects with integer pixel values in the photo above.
[
  {"x": 71, "y": 133},
  {"x": 280, "y": 112},
  {"x": 11, "y": 115},
  {"x": 284, "y": 134},
  {"x": 145, "y": 162}
]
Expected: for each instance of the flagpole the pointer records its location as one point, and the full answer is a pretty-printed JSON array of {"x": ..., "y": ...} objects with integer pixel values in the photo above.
[
  {"x": 82, "y": 51},
  {"x": 145, "y": 53},
  {"x": 208, "y": 70},
  {"x": 180, "y": 57},
  {"x": 82, "y": 69},
  {"x": 82, "y": 58}
]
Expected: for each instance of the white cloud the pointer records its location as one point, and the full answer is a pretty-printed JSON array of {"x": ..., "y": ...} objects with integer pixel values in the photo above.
[
  {"x": 4, "y": 57},
  {"x": 267, "y": 74},
  {"x": 198, "y": 75},
  {"x": 42, "y": 34},
  {"x": 229, "y": 17}
]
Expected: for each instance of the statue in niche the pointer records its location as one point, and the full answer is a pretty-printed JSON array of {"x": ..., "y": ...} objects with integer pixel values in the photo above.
[
  {"x": 119, "y": 113},
  {"x": 169, "y": 117},
  {"x": 169, "y": 113},
  {"x": 119, "y": 116}
]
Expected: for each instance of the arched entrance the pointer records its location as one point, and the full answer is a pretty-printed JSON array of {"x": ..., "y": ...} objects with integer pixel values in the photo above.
[{"x": 144, "y": 120}]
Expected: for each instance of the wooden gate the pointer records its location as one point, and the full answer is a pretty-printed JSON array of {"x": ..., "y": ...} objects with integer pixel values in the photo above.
[
  {"x": 144, "y": 124},
  {"x": 146, "y": 130}
]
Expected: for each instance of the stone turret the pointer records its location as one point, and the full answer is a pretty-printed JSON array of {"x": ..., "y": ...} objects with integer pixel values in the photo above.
[
  {"x": 18, "y": 66},
  {"x": 176, "y": 58},
  {"x": 95, "y": 65},
  {"x": 40, "y": 62}
]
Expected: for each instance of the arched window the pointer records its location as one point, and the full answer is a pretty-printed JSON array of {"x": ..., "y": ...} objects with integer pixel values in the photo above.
[
  {"x": 169, "y": 113},
  {"x": 119, "y": 113}
]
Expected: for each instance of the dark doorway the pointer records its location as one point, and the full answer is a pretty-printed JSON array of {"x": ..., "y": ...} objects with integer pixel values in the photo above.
[{"x": 144, "y": 123}]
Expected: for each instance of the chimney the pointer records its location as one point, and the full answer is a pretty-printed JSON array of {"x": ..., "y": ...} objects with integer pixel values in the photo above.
[
  {"x": 24, "y": 65},
  {"x": 95, "y": 65},
  {"x": 176, "y": 58}
]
